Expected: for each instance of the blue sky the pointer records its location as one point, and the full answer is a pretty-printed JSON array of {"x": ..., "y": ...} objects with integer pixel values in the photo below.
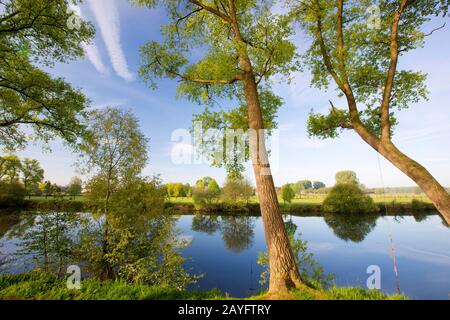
[{"x": 108, "y": 76}]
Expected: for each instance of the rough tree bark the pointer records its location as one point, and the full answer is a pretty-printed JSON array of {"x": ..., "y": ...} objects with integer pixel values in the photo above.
[{"x": 284, "y": 273}]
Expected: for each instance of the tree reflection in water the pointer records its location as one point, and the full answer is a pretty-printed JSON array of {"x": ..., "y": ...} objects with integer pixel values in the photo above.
[
  {"x": 351, "y": 227},
  {"x": 206, "y": 224},
  {"x": 237, "y": 231}
]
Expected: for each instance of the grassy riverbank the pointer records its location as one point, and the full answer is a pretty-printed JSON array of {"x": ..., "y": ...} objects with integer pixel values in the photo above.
[
  {"x": 386, "y": 205},
  {"x": 39, "y": 287}
]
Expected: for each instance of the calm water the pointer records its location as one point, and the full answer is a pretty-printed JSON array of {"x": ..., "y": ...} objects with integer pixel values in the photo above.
[{"x": 225, "y": 250}]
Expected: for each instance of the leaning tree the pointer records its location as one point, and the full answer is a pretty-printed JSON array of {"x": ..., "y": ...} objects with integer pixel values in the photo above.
[
  {"x": 243, "y": 45},
  {"x": 357, "y": 45}
]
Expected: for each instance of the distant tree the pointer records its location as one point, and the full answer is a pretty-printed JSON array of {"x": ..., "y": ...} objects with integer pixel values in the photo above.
[
  {"x": 75, "y": 187},
  {"x": 213, "y": 188},
  {"x": 47, "y": 189},
  {"x": 347, "y": 177},
  {"x": 206, "y": 192},
  {"x": 12, "y": 194},
  {"x": 287, "y": 193},
  {"x": 348, "y": 198},
  {"x": 32, "y": 174},
  {"x": 34, "y": 189},
  {"x": 38, "y": 33},
  {"x": 318, "y": 185},
  {"x": 10, "y": 167},
  {"x": 235, "y": 189},
  {"x": 187, "y": 190},
  {"x": 307, "y": 184},
  {"x": 248, "y": 190},
  {"x": 57, "y": 190},
  {"x": 178, "y": 190}
]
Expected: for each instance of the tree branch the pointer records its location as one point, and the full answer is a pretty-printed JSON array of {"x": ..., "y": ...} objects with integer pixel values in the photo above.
[
  {"x": 389, "y": 84},
  {"x": 214, "y": 11}
]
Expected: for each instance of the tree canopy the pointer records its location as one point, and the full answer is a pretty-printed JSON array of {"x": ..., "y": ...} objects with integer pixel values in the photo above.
[
  {"x": 358, "y": 46},
  {"x": 35, "y": 33},
  {"x": 215, "y": 77}
]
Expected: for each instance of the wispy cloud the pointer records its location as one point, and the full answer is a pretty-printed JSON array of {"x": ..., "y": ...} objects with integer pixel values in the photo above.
[
  {"x": 421, "y": 134},
  {"x": 91, "y": 49},
  {"x": 94, "y": 57},
  {"x": 107, "y": 16}
]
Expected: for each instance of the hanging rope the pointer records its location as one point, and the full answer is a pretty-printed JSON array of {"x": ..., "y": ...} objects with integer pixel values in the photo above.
[{"x": 391, "y": 239}]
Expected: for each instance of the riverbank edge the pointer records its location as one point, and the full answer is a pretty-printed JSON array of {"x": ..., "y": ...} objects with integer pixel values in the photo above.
[
  {"x": 251, "y": 209},
  {"x": 31, "y": 286}
]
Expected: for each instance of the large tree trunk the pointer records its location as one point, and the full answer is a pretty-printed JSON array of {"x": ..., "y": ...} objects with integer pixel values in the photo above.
[
  {"x": 430, "y": 186},
  {"x": 284, "y": 272}
]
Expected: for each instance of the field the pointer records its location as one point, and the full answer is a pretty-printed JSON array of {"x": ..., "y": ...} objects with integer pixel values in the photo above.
[
  {"x": 304, "y": 200},
  {"x": 318, "y": 199},
  {"x": 50, "y": 198}
]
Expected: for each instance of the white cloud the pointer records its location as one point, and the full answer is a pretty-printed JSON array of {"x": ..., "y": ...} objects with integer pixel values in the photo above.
[
  {"x": 421, "y": 134},
  {"x": 107, "y": 16},
  {"x": 94, "y": 56},
  {"x": 91, "y": 49}
]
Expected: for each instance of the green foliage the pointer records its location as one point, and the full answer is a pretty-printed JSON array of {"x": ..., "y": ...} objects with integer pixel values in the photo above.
[
  {"x": 176, "y": 190},
  {"x": 350, "y": 293},
  {"x": 346, "y": 177},
  {"x": 32, "y": 174},
  {"x": 75, "y": 187},
  {"x": 328, "y": 126},
  {"x": 50, "y": 242},
  {"x": 36, "y": 32},
  {"x": 287, "y": 193},
  {"x": 206, "y": 192},
  {"x": 11, "y": 194},
  {"x": 318, "y": 185},
  {"x": 10, "y": 167},
  {"x": 225, "y": 142},
  {"x": 263, "y": 39},
  {"x": 44, "y": 287},
  {"x": 116, "y": 148},
  {"x": 301, "y": 186},
  {"x": 367, "y": 57},
  {"x": 236, "y": 189},
  {"x": 348, "y": 198}
]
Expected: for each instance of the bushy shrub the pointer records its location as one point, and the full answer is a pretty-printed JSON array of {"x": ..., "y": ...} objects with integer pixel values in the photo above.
[
  {"x": 420, "y": 206},
  {"x": 11, "y": 194},
  {"x": 348, "y": 198}
]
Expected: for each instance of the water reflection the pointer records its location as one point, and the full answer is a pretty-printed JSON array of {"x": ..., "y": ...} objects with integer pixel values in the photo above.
[
  {"x": 351, "y": 227},
  {"x": 129, "y": 246},
  {"x": 206, "y": 224},
  {"x": 225, "y": 248},
  {"x": 237, "y": 231}
]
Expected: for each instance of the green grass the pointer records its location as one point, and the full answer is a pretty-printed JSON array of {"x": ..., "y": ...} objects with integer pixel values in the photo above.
[
  {"x": 38, "y": 287},
  {"x": 41, "y": 287}
]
